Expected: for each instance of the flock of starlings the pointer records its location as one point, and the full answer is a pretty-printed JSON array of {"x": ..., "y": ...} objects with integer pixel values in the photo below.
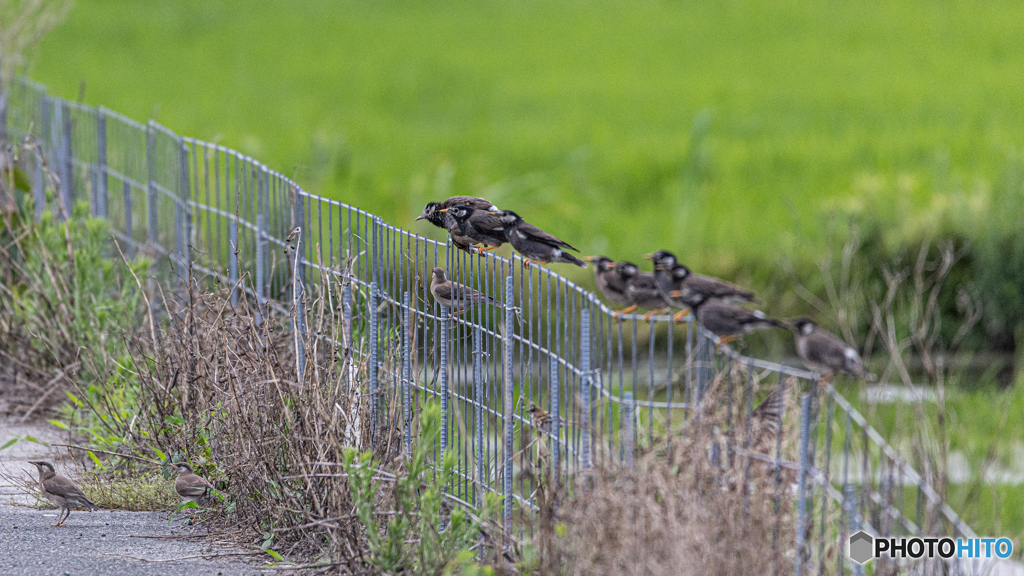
[{"x": 475, "y": 223}]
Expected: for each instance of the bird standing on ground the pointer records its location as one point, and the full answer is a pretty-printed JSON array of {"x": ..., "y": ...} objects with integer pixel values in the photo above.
[
  {"x": 534, "y": 244},
  {"x": 480, "y": 226},
  {"x": 608, "y": 280},
  {"x": 61, "y": 491},
  {"x": 641, "y": 290},
  {"x": 455, "y": 296},
  {"x": 686, "y": 289},
  {"x": 190, "y": 486},
  {"x": 437, "y": 214},
  {"x": 729, "y": 323},
  {"x": 825, "y": 352}
]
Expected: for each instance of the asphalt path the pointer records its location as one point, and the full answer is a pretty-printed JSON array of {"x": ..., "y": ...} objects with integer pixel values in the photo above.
[{"x": 99, "y": 543}]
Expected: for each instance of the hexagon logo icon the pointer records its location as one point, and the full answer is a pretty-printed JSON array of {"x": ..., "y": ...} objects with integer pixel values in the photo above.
[{"x": 860, "y": 547}]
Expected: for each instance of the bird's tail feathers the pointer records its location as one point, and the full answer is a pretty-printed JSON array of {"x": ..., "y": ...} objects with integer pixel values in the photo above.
[{"x": 574, "y": 260}]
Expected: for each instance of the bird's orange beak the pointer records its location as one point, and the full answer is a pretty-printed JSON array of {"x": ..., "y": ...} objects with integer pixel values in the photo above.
[
  {"x": 443, "y": 210},
  {"x": 649, "y": 256}
]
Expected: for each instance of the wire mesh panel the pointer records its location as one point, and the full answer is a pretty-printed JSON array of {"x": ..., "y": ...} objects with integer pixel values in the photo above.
[{"x": 535, "y": 377}]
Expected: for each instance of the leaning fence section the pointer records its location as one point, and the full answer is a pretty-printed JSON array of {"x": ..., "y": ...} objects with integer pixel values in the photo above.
[{"x": 546, "y": 364}]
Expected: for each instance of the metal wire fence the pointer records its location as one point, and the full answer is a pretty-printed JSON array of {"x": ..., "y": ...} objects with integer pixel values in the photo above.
[{"x": 611, "y": 388}]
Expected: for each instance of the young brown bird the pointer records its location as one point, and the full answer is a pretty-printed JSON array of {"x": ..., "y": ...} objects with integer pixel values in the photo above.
[
  {"x": 192, "y": 487},
  {"x": 729, "y": 323},
  {"x": 686, "y": 289},
  {"x": 480, "y": 226},
  {"x": 608, "y": 281},
  {"x": 825, "y": 352},
  {"x": 61, "y": 491},
  {"x": 437, "y": 214},
  {"x": 539, "y": 418},
  {"x": 534, "y": 244},
  {"x": 641, "y": 289},
  {"x": 455, "y": 296}
]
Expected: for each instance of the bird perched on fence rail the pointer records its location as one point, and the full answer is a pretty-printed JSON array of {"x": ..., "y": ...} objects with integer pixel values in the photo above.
[
  {"x": 534, "y": 244},
  {"x": 823, "y": 351},
  {"x": 456, "y": 296},
  {"x": 729, "y": 323},
  {"x": 437, "y": 214},
  {"x": 608, "y": 280},
  {"x": 482, "y": 227},
  {"x": 61, "y": 491},
  {"x": 685, "y": 289},
  {"x": 192, "y": 487},
  {"x": 641, "y": 290}
]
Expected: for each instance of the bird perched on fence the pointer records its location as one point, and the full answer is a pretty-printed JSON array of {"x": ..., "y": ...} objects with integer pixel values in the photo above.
[
  {"x": 825, "y": 352},
  {"x": 480, "y": 226},
  {"x": 729, "y": 323},
  {"x": 685, "y": 289},
  {"x": 539, "y": 418},
  {"x": 641, "y": 290},
  {"x": 766, "y": 419},
  {"x": 190, "y": 486},
  {"x": 455, "y": 296},
  {"x": 437, "y": 214},
  {"x": 61, "y": 491},
  {"x": 534, "y": 244},
  {"x": 608, "y": 280}
]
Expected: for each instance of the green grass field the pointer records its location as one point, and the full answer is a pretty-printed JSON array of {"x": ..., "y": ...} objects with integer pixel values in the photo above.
[{"x": 723, "y": 130}]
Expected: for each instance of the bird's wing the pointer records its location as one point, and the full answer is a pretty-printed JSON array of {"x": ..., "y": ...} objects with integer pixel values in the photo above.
[
  {"x": 442, "y": 291},
  {"x": 473, "y": 202},
  {"x": 192, "y": 485},
  {"x": 716, "y": 286},
  {"x": 486, "y": 222},
  {"x": 539, "y": 235},
  {"x": 825, "y": 349},
  {"x": 66, "y": 489}
]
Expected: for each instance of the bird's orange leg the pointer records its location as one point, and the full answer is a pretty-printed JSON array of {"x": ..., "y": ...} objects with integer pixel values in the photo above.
[
  {"x": 681, "y": 315},
  {"x": 485, "y": 249},
  {"x": 61, "y": 518},
  {"x": 719, "y": 342}
]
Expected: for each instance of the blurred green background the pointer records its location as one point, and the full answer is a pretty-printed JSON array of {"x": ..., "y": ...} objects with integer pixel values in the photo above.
[
  {"x": 724, "y": 130},
  {"x": 729, "y": 132}
]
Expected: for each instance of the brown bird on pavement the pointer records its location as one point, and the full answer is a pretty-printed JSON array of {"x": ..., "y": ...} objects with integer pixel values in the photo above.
[
  {"x": 823, "y": 351},
  {"x": 192, "y": 487},
  {"x": 61, "y": 491},
  {"x": 455, "y": 296}
]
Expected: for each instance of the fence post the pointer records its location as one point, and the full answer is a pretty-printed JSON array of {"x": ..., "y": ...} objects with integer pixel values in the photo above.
[
  {"x": 850, "y": 506},
  {"x": 38, "y": 185},
  {"x": 373, "y": 359},
  {"x": 233, "y": 261},
  {"x": 101, "y": 162},
  {"x": 128, "y": 219},
  {"x": 585, "y": 386},
  {"x": 805, "y": 433},
  {"x": 260, "y": 209},
  {"x": 443, "y": 375},
  {"x": 554, "y": 416},
  {"x": 298, "y": 271},
  {"x": 478, "y": 387},
  {"x": 627, "y": 430},
  {"x": 185, "y": 196},
  {"x": 152, "y": 224},
  {"x": 508, "y": 407},
  {"x": 347, "y": 311},
  {"x": 407, "y": 372},
  {"x": 66, "y": 174}
]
